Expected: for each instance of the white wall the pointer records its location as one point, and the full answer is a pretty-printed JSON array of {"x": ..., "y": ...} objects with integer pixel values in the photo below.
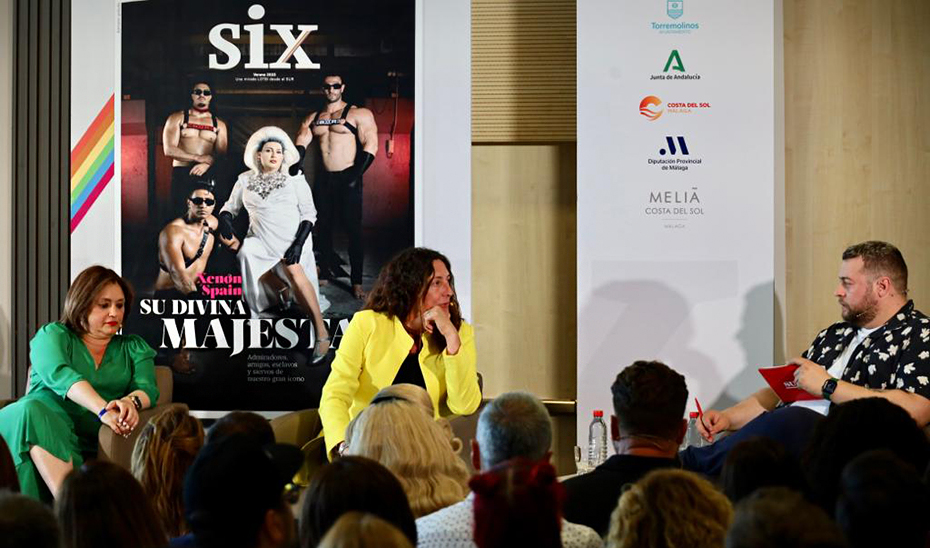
[{"x": 6, "y": 197}]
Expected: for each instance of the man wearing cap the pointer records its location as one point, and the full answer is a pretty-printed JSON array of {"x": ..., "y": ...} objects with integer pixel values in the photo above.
[
  {"x": 234, "y": 495},
  {"x": 192, "y": 138}
]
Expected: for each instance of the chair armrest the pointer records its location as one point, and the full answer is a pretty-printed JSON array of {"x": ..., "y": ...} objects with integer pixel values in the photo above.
[{"x": 117, "y": 449}]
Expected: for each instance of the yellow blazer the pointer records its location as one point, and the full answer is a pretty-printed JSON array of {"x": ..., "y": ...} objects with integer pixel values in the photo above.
[{"x": 369, "y": 357}]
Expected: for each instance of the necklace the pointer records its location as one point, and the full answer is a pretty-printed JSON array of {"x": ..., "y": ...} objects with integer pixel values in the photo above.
[{"x": 264, "y": 184}]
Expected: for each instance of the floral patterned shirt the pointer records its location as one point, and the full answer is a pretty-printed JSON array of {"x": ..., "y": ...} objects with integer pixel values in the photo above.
[{"x": 894, "y": 356}]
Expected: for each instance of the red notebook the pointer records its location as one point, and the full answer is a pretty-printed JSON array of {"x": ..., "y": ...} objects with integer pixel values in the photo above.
[{"x": 781, "y": 379}]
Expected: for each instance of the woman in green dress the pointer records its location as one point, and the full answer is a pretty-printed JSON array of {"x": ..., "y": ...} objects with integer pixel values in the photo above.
[{"x": 83, "y": 374}]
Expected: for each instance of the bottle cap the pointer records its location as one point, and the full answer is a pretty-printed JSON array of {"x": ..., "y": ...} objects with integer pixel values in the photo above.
[
  {"x": 694, "y": 415},
  {"x": 598, "y": 413}
]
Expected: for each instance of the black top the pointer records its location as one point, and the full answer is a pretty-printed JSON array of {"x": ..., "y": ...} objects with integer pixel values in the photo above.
[
  {"x": 591, "y": 498},
  {"x": 410, "y": 372}
]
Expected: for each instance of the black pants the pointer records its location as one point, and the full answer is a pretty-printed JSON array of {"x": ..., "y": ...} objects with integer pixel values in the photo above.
[
  {"x": 792, "y": 426},
  {"x": 339, "y": 198}
]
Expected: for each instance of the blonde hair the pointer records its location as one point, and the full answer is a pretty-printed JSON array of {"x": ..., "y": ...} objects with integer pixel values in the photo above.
[
  {"x": 166, "y": 448},
  {"x": 400, "y": 436},
  {"x": 418, "y": 395},
  {"x": 358, "y": 530},
  {"x": 670, "y": 509}
]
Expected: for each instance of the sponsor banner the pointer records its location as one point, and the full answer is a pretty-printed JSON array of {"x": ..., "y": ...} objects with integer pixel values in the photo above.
[
  {"x": 675, "y": 194},
  {"x": 168, "y": 98}
]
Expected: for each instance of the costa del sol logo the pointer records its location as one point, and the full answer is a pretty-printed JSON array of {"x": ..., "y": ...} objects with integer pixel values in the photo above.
[{"x": 650, "y": 107}]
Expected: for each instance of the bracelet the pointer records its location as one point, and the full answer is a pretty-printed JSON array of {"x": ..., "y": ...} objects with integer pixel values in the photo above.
[
  {"x": 136, "y": 401},
  {"x": 102, "y": 413}
]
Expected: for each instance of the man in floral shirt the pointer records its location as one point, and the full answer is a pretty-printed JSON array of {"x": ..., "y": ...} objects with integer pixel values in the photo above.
[{"x": 880, "y": 349}]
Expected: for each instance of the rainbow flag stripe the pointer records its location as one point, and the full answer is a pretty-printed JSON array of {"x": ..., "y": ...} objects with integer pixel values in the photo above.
[{"x": 92, "y": 163}]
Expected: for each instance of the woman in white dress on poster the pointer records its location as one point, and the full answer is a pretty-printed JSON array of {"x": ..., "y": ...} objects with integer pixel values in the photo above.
[{"x": 276, "y": 257}]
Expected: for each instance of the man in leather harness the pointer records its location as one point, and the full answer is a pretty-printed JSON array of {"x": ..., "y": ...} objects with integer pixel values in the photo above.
[
  {"x": 348, "y": 140},
  {"x": 192, "y": 138}
]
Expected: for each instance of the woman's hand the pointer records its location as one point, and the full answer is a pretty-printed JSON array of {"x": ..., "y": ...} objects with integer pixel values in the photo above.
[
  {"x": 111, "y": 420},
  {"x": 437, "y": 318},
  {"x": 127, "y": 417}
]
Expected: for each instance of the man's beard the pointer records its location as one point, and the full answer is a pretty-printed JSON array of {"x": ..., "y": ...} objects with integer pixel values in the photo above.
[{"x": 863, "y": 314}]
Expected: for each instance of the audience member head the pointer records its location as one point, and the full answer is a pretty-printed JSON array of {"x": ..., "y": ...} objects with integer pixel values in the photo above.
[
  {"x": 26, "y": 523},
  {"x": 353, "y": 484},
  {"x": 418, "y": 395},
  {"x": 649, "y": 407},
  {"x": 8, "y": 478},
  {"x": 101, "y": 504},
  {"x": 514, "y": 424},
  {"x": 880, "y": 496},
  {"x": 670, "y": 508},
  {"x": 243, "y": 423},
  {"x": 852, "y": 428},
  {"x": 399, "y": 435},
  {"x": 777, "y": 517},
  {"x": 166, "y": 448},
  {"x": 358, "y": 530},
  {"x": 759, "y": 462},
  {"x": 518, "y": 503},
  {"x": 234, "y": 494}
]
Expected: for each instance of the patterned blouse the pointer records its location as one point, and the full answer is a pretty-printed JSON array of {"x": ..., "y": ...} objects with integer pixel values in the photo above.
[{"x": 894, "y": 356}]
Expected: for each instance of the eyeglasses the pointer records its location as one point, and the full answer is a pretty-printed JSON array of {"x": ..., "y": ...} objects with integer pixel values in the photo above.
[
  {"x": 204, "y": 92},
  {"x": 327, "y": 87},
  {"x": 200, "y": 201}
]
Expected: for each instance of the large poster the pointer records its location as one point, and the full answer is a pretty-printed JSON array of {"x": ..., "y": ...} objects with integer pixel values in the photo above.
[
  {"x": 215, "y": 99},
  {"x": 676, "y": 194}
]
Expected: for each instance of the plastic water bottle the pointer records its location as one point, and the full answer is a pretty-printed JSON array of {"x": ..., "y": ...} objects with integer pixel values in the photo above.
[
  {"x": 597, "y": 440},
  {"x": 693, "y": 437}
]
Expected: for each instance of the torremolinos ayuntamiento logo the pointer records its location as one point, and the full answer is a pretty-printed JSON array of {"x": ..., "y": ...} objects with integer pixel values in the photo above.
[{"x": 674, "y": 10}]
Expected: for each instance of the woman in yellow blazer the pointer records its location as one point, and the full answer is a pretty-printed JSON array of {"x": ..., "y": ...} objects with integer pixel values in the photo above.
[{"x": 409, "y": 331}]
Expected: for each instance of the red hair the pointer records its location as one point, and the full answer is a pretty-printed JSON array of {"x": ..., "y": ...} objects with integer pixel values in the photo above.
[{"x": 518, "y": 503}]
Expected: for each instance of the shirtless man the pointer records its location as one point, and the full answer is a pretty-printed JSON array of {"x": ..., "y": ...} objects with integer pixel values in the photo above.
[
  {"x": 348, "y": 139},
  {"x": 185, "y": 244},
  {"x": 192, "y": 138}
]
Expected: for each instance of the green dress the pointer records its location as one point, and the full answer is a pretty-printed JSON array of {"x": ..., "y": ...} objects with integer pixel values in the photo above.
[{"x": 45, "y": 417}]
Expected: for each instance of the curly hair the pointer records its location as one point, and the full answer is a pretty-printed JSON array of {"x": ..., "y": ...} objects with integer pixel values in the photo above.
[
  {"x": 403, "y": 283},
  {"x": 400, "y": 436},
  {"x": 670, "y": 508},
  {"x": 164, "y": 451}
]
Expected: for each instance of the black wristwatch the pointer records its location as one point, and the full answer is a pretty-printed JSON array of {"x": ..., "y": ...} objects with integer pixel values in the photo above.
[
  {"x": 828, "y": 387},
  {"x": 136, "y": 401}
]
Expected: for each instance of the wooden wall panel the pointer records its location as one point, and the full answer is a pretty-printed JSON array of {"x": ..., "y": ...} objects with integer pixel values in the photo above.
[
  {"x": 523, "y": 70},
  {"x": 523, "y": 250},
  {"x": 41, "y": 174},
  {"x": 857, "y": 139}
]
